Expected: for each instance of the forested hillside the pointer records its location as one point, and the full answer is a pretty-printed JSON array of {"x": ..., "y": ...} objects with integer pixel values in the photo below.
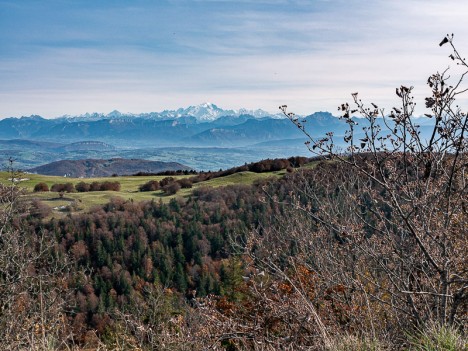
[
  {"x": 363, "y": 249},
  {"x": 223, "y": 253}
]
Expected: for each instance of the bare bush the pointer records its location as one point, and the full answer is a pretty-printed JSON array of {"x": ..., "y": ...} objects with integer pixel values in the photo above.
[
  {"x": 32, "y": 281},
  {"x": 39, "y": 209},
  {"x": 82, "y": 187},
  {"x": 154, "y": 321},
  {"x": 41, "y": 187},
  {"x": 185, "y": 183},
  {"x": 172, "y": 188},
  {"x": 372, "y": 243},
  {"x": 66, "y": 187},
  {"x": 392, "y": 225},
  {"x": 151, "y": 185}
]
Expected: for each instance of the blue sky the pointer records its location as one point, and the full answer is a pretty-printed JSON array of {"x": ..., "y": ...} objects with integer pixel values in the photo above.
[{"x": 71, "y": 57}]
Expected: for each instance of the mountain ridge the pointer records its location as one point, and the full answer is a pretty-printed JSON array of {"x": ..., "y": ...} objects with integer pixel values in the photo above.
[
  {"x": 204, "y": 112},
  {"x": 86, "y": 168},
  {"x": 146, "y": 136},
  {"x": 172, "y": 129}
]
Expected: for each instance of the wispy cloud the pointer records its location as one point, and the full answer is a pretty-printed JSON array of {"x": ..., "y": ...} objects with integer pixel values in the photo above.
[{"x": 59, "y": 57}]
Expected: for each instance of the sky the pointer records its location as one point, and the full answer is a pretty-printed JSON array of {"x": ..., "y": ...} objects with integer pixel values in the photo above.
[{"x": 61, "y": 57}]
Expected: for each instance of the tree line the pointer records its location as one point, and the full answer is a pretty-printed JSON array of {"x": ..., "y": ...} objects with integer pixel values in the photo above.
[{"x": 80, "y": 187}]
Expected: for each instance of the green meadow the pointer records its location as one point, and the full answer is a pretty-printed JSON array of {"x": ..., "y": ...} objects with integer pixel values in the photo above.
[{"x": 129, "y": 189}]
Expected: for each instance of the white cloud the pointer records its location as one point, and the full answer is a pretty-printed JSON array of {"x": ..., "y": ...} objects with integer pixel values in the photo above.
[{"x": 310, "y": 57}]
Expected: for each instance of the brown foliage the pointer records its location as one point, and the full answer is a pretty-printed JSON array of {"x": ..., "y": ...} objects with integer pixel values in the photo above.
[
  {"x": 39, "y": 209},
  {"x": 185, "y": 183},
  {"x": 60, "y": 187},
  {"x": 40, "y": 187},
  {"x": 171, "y": 188},
  {"x": 32, "y": 279},
  {"x": 372, "y": 241},
  {"x": 97, "y": 186},
  {"x": 82, "y": 187},
  {"x": 151, "y": 185}
]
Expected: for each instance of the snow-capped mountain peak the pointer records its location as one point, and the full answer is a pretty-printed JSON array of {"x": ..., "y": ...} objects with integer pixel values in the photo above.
[
  {"x": 205, "y": 112},
  {"x": 114, "y": 114}
]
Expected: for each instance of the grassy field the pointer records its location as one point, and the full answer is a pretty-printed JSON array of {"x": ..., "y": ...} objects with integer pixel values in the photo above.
[{"x": 82, "y": 202}]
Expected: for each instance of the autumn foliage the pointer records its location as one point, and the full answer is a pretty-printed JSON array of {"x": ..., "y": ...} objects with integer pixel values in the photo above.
[{"x": 364, "y": 250}]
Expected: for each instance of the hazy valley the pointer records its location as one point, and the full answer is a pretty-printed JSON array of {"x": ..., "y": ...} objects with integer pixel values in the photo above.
[{"x": 203, "y": 137}]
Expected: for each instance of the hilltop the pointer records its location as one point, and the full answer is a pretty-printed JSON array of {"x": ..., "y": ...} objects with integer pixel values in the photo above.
[{"x": 105, "y": 168}]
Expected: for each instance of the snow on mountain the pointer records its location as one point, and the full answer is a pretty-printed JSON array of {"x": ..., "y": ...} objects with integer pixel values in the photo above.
[
  {"x": 205, "y": 112},
  {"x": 209, "y": 112}
]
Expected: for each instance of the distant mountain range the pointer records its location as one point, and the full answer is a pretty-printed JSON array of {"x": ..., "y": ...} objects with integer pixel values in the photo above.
[
  {"x": 205, "y": 112},
  {"x": 203, "y": 137},
  {"x": 195, "y": 126}
]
